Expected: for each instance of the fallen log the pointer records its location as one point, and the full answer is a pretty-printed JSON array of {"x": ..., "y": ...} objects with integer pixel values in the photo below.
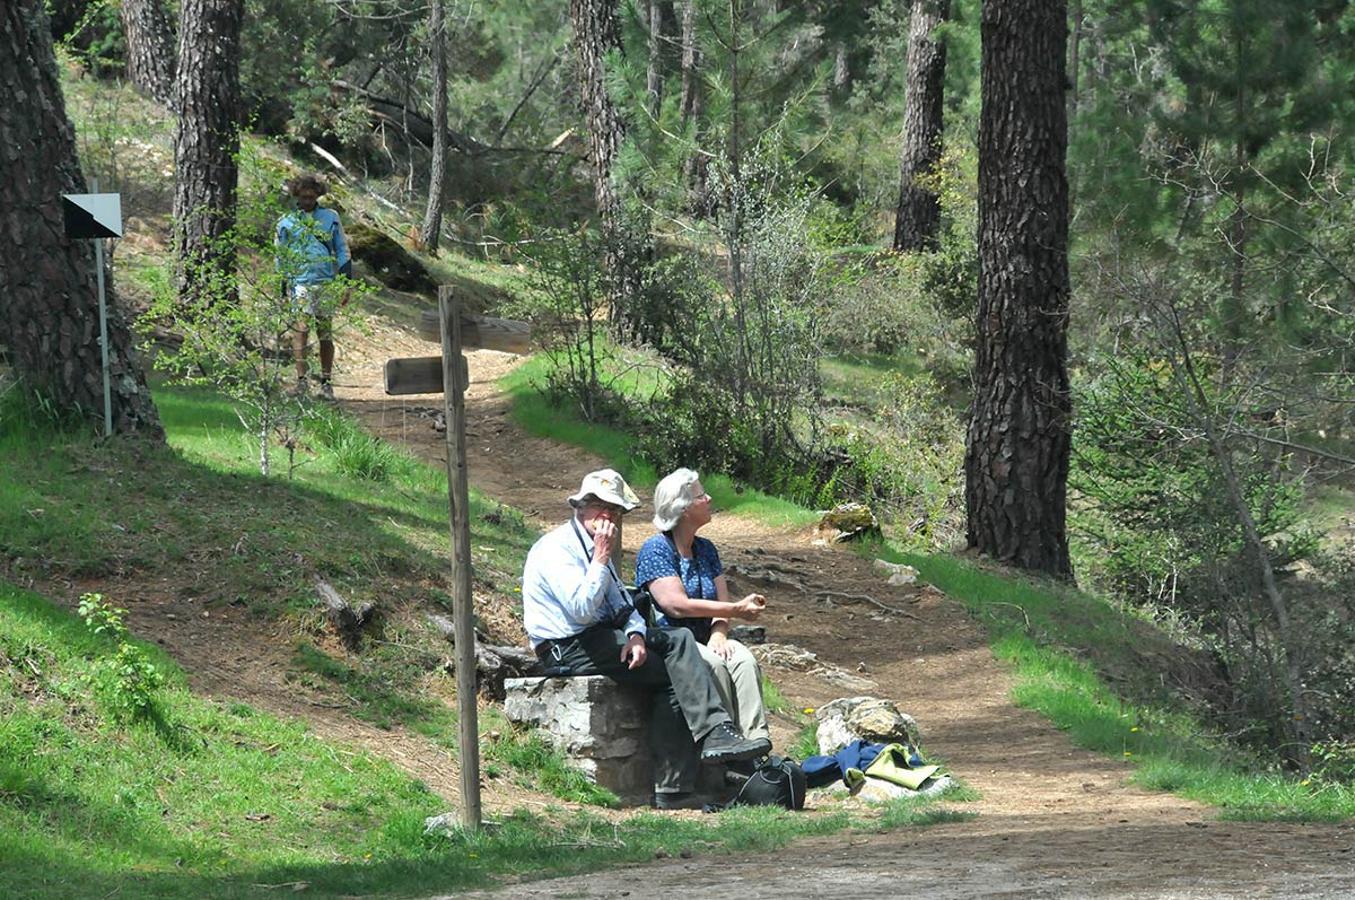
[
  {"x": 493, "y": 662},
  {"x": 347, "y": 621}
]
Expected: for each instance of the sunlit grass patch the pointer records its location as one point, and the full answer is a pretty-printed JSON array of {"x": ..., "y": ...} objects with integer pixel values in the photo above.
[{"x": 534, "y": 412}]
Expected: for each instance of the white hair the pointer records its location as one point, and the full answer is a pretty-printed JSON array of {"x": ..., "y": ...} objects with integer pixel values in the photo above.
[{"x": 672, "y": 496}]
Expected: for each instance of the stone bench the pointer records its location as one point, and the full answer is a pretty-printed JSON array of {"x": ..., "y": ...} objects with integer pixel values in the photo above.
[{"x": 601, "y": 728}]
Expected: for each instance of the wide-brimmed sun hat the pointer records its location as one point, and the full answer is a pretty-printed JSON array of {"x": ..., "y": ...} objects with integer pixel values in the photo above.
[{"x": 608, "y": 486}]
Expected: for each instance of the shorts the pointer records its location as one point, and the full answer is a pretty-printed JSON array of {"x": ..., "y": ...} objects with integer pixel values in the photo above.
[{"x": 316, "y": 301}]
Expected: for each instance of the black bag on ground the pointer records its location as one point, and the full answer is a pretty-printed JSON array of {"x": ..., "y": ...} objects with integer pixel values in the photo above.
[{"x": 776, "y": 781}]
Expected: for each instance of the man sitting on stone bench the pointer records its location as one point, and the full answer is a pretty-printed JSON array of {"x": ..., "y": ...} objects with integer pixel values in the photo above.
[{"x": 580, "y": 620}]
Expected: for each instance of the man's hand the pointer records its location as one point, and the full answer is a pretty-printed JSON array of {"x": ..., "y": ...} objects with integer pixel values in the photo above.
[
  {"x": 635, "y": 651},
  {"x": 750, "y": 607},
  {"x": 720, "y": 646},
  {"x": 606, "y": 536}
]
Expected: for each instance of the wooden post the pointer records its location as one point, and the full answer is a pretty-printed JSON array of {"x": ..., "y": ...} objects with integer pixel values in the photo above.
[{"x": 458, "y": 499}]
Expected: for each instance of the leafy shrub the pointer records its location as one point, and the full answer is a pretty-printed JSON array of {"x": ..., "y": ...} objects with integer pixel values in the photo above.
[
  {"x": 1153, "y": 496},
  {"x": 889, "y": 302},
  {"x": 907, "y": 463},
  {"x": 1155, "y": 502},
  {"x": 125, "y": 684}
]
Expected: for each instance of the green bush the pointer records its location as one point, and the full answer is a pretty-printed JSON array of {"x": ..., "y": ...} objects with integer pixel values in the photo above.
[
  {"x": 1154, "y": 504},
  {"x": 907, "y": 462},
  {"x": 354, "y": 452},
  {"x": 125, "y": 684}
]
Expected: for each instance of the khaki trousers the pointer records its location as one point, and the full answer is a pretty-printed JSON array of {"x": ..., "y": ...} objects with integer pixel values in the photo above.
[{"x": 739, "y": 681}]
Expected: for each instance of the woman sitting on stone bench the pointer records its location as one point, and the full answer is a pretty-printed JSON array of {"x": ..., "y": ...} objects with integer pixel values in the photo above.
[{"x": 684, "y": 575}]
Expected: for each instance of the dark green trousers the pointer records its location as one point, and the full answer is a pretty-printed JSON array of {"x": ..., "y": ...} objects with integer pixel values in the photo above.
[{"x": 686, "y": 702}]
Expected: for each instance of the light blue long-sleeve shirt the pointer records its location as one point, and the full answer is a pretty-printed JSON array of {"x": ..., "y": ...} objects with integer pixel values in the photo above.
[
  {"x": 312, "y": 248},
  {"x": 564, "y": 591}
]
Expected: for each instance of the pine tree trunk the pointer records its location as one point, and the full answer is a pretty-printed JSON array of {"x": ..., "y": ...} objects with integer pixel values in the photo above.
[
  {"x": 654, "y": 73},
  {"x": 691, "y": 57},
  {"x": 431, "y": 233},
  {"x": 1016, "y": 463},
  {"x": 206, "y": 141},
  {"x": 150, "y": 48},
  {"x": 919, "y": 216},
  {"x": 596, "y": 33},
  {"x": 49, "y": 305},
  {"x": 691, "y": 104}
]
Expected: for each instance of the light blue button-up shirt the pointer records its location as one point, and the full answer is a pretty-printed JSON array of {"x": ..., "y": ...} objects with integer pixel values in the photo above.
[
  {"x": 312, "y": 248},
  {"x": 564, "y": 591}
]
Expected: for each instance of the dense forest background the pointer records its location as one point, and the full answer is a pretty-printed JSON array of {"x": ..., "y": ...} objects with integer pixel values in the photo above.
[{"x": 717, "y": 205}]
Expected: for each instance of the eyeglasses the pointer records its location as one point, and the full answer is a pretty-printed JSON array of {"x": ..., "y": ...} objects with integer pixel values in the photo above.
[{"x": 602, "y": 506}]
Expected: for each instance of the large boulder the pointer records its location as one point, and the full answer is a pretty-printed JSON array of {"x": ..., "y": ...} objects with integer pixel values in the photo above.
[
  {"x": 849, "y": 521},
  {"x": 871, "y": 719},
  {"x": 392, "y": 264}
]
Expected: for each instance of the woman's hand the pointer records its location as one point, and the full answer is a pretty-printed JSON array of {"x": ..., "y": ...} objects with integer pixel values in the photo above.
[
  {"x": 750, "y": 607},
  {"x": 720, "y": 646}
]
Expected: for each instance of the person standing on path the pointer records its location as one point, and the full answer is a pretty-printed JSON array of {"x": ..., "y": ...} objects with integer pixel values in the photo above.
[
  {"x": 312, "y": 254},
  {"x": 580, "y": 619},
  {"x": 684, "y": 575}
]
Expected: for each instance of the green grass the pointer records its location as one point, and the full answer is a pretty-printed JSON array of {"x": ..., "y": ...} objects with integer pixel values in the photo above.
[
  {"x": 199, "y": 510},
  {"x": 224, "y": 801},
  {"x": 1039, "y": 628},
  {"x": 215, "y": 798},
  {"x": 907, "y": 813},
  {"x": 541, "y": 766},
  {"x": 860, "y": 378},
  {"x": 533, "y": 412},
  {"x": 774, "y": 701}
]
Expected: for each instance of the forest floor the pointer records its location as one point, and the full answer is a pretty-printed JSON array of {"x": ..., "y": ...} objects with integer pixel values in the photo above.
[{"x": 1052, "y": 819}]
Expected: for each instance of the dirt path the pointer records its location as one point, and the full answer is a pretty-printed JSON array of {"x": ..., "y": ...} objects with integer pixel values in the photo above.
[{"x": 1053, "y": 820}]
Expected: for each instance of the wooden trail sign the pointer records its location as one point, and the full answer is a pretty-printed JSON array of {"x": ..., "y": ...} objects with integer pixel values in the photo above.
[
  {"x": 418, "y": 375},
  {"x": 423, "y": 374},
  {"x": 454, "y": 376},
  {"x": 481, "y": 332},
  {"x": 449, "y": 375}
]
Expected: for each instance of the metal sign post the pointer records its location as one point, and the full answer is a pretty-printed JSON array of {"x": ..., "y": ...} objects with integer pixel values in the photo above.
[
  {"x": 103, "y": 337},
  {"x": 97, "y": 216}
]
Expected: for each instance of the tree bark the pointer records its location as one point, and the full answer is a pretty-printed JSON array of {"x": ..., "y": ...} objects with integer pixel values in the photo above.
[
  {"x": 1016, "y": 461},
  {"x": 206, "y": 141},
  {"x": 430, "y": 236},
  {"x": 918, "y": 222},
  {"x": 150, "y": 48},
  {"x": 691, "y": 104},
  {"x": 654, "y": 72},
  {"x": 596, "y": 33},
  {"x": 49, "y": 305}
]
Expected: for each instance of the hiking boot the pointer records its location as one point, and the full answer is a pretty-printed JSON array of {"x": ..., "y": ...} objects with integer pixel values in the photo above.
[
  {"x": 724, "y": 744},
  {"x": 326, "y": 390},
  {"x": 679, "y": 800}
]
